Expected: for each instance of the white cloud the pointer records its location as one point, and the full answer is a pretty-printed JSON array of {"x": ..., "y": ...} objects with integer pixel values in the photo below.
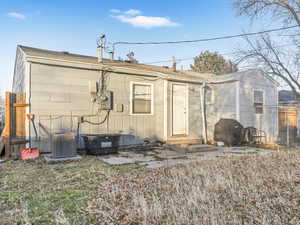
[
  {"x": 134, "y": 18},
  {"x": 147, "y": 21},
  {"x": 16, "y": 15},
  {"x": 117, "y": 11},
  {"x": 133, "y": 12}
]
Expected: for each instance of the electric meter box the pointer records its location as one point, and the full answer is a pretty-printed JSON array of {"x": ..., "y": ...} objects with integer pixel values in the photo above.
[{"x": 106, "y": 100}]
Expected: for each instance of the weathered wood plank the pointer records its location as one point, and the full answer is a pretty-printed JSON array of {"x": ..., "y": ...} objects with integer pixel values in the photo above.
[
  {"x": 21, "y": 105},
  {"x": 184, "y": 141},
  {"x": 20, "y": 115},
  {"x": 7, "y": 129}
]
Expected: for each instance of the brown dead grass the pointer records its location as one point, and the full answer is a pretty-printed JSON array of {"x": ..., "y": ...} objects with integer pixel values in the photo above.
[
  {"x": 245, "y": 190},
  {"x": 255, "y": 189}
]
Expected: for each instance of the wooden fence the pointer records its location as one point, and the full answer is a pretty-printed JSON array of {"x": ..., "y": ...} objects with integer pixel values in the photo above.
[
  {"x": 14, "y": 132},
  {"x": 288, "y": 121}
]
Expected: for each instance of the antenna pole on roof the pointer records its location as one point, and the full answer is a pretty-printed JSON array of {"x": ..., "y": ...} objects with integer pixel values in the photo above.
[{"x": 101, "y": 45}]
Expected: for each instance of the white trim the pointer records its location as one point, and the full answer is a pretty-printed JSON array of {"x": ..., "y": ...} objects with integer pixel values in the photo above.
[
  {"x": 186, "y": 110},
  {"x": 165, "y": 110},
  {"x": 202, "y": 102},
  {"x": 30, "y": 57},
  {"x": 238, "y": 117},
  {"x": 131, "y": 97}
]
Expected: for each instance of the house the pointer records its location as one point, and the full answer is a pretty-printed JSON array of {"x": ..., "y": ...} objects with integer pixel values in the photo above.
[{"x": 137, "y": 101}]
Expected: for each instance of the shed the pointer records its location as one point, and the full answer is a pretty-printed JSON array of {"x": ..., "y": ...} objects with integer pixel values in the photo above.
[{"x": 252, "y": 99}]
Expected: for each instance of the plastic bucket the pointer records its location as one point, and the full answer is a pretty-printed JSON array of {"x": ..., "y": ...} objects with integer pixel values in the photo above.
[{"x": 29, "y": 153}]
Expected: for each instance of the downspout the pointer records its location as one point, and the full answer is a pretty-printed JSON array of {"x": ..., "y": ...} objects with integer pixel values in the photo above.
[
  {"x": 237, "y": 99},
  {"x": 203, "y": 109}
]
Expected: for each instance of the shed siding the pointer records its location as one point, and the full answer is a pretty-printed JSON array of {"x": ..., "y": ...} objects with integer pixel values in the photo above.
[
  {"x": 19, "y": 80},
  {"x": 223, "y": 106},
  {"x": 61, "y": 91},
  {"x": 268, "y": 121}
]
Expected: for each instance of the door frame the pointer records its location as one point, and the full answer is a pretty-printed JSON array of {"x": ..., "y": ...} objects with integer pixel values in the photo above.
[{"x": 186, "y": 110}]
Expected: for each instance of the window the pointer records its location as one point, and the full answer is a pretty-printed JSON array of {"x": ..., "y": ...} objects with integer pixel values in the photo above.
[
  {"x": 258, "y": 97},
  {"x": 209, "y": 95},
  {"x": 141, "y": 98}
]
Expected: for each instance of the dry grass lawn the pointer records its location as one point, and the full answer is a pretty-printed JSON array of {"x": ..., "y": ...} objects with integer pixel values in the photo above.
[{"x": 254, "y": 189}]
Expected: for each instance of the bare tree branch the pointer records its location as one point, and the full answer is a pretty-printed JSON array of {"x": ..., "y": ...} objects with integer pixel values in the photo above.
[
  {"x": 263, "y": 53},
  {"x": 284, "y": 10}
]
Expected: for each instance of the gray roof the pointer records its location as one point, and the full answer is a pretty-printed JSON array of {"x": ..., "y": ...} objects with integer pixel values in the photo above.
[
  {"x": 61, "y": 55},
  {"x": 179, "y": 75},
  {"x": 37, "y": 52}
]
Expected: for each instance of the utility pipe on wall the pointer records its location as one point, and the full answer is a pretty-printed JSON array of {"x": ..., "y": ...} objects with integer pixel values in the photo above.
[{"x": 203, "y": 110}]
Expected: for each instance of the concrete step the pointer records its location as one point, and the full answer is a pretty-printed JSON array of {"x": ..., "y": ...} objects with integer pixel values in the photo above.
[
  {"x": 201, "y": 148},
  {"x": 192, "y": 148}
]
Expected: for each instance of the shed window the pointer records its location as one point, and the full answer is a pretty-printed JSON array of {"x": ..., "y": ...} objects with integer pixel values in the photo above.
[
  {"x": 258, "y": 97},
  {"x": 141, "y": 98}
]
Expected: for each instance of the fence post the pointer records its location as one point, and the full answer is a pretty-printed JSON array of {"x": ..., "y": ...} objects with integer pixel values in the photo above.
[{"x": 287, "y": 129}]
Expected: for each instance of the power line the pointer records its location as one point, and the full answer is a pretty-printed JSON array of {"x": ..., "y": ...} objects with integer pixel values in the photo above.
[
  {"x": 205, "y": 39},
  {"x": 190, "y": 58}
]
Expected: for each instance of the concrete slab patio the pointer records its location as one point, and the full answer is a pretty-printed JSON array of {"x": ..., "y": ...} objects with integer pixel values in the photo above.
[{"x": 165, "y": 157}]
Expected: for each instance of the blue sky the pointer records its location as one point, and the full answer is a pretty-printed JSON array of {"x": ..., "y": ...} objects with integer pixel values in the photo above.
[{"x": 74, "y": 25}]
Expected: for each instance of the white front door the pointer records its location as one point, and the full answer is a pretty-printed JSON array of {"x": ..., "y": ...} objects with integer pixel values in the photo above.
[{"x": 179, "y": 109}]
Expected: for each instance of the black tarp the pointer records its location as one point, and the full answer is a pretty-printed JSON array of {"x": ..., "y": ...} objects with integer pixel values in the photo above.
[{"x": 229, "y": 131}]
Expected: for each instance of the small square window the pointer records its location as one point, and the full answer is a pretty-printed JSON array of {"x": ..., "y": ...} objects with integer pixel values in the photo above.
[{"x": 141, "y": 99}]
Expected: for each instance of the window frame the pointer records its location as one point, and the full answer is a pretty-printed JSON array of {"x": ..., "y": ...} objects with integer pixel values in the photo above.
[
  {"x": 132, "y": 83},
  {"x": 263, "y": 102}
]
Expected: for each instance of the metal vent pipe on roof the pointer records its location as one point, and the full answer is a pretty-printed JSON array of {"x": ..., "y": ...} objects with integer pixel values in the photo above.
[
  {"x": 174, "y": 66},
  {"x": 111, "y": 55}
]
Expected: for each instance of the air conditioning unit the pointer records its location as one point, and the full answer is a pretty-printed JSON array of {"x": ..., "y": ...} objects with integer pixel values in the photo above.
[
  {"x": 101, "y": 144},
  {"x": 63, "y": 145}
]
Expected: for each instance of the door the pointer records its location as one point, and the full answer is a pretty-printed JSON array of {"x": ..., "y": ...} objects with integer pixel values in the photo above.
[
  {"x": 179, "y": 109},
  {"x": 288, "y": 125}
]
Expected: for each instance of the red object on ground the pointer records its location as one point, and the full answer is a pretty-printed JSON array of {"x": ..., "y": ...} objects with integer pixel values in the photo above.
[
  {"x": 29, "y": 153},
  {"x": 30, "y": 116}
]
